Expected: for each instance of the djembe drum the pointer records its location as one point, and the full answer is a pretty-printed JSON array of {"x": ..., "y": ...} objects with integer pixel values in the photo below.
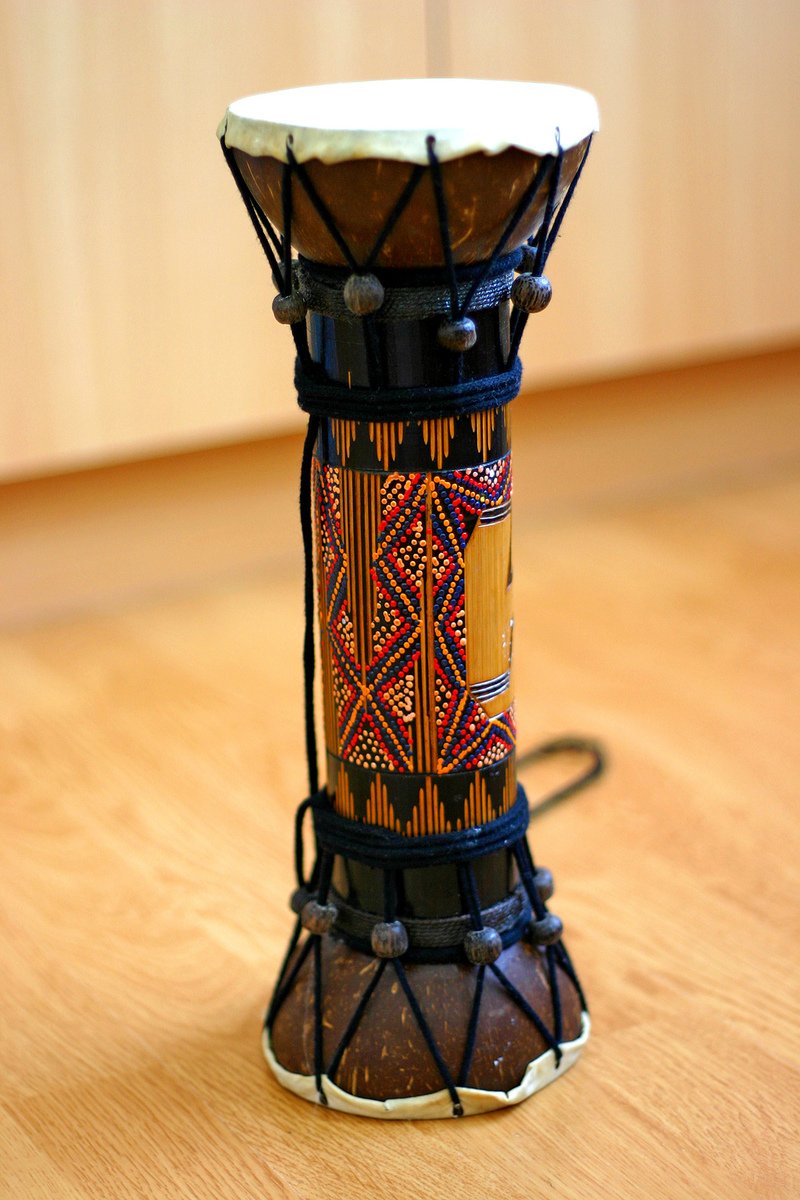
[{"x": 426, "y": 975}]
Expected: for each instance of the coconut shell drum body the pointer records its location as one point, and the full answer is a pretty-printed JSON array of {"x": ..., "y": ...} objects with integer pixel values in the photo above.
[{"x": 426, "y": 975}]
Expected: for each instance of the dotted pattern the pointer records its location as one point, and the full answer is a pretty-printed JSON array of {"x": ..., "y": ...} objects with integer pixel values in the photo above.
[{"x": 380, "y": 707}]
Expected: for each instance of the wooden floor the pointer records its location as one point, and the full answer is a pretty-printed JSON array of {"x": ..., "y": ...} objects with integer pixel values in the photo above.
[{"x": 152, "y": 762}]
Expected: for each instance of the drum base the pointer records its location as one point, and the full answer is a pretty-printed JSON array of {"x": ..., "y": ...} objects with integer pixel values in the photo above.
[
  {"x": 538, "y": 1074},
  {"x": 389, "y": 1068}
]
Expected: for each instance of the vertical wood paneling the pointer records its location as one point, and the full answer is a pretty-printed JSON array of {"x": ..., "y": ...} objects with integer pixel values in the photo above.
[
  {"x": 135, "y": 302},
  {"x": 683, "y": 240}
]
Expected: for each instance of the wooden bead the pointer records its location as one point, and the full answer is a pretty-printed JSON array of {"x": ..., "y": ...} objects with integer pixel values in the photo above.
[
  {"x": 298, "y": 900},
  {"x": 531, "y": 293},
  {"x": 458, "y": 335},
  {"x": 363, "y": 294},
  {"x": 318, "y": 918},
  {"x": 389, "y": 939},
  {"x": 483, "y": 946},
  {"x": 547, "y": 931},
  {"x": 288, "y": 310},
  {"x": 527, "y": 264},
  {"x": 544, "y": 882}
]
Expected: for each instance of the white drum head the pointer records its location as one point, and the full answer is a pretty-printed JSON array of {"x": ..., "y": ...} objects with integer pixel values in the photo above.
[{"x": 391, "y": 118}]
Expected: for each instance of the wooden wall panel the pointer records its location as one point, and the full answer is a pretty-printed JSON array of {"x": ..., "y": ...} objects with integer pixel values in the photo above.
[
  {"x": 683, "y": 242},
  {"x": 135, "y": 302}
]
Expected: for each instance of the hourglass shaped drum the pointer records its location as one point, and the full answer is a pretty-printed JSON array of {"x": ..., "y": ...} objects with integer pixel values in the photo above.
[{"x": 407, "y": 225}]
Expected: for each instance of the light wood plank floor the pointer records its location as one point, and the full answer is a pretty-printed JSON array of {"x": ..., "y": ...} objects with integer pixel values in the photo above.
[{"x": 152, "y": 762}]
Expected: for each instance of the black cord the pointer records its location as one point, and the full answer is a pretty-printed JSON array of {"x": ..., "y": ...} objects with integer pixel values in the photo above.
[
  {"x": 307, "y": 527},
  {"x": 569, "y": 744}
]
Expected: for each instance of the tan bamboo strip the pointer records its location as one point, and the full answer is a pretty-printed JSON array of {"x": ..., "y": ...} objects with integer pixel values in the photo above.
[
  {"x": 509, "y": 785},
  {"x": 437, "y": 433},
  {"x": 483, "y": 424},
  {"x": 371, "y": 488},
  {"x": 488, "y": 603},
  {"x": 360, "y": 504},
  {"x": 358, "y": 566},
  {"x": 329, "y": 711},
  {"x": 380, "y": 810},
  {"x": 477, "y": 804},
  {"x": 386, "y": 436},
  {"x": 330, "y": 721},
  {"x": 428, "y": 814},
  {"x": 420, "y": 725},
  {"x": 344, "y": 433},
  {"x": 426, "y": 734},
  {"x": 375, "y": 484},
  {"x": 344, "y": 801}
]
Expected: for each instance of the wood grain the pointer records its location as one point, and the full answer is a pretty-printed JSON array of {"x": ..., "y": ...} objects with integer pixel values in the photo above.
[
  {"x": 152, "y": 760},
  {"x": 683, "y": 239},
  {"x": 135, "y": 299}
]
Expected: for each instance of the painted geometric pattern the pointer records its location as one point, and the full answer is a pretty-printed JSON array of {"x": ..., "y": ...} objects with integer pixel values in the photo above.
[
  {"x": 392, "y": 612},
  {"x": 429, "y": 814}
]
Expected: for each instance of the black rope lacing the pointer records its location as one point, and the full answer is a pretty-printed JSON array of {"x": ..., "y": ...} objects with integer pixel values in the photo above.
[
  {"x": 306, "y": 525},
  {"x": 320, "y": 396},
  {"x": 324, "y": 398},
  {"x": 335, "y": 834}
]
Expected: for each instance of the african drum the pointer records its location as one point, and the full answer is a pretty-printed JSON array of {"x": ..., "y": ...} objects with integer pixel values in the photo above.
[{"x": 407, "y": 225}]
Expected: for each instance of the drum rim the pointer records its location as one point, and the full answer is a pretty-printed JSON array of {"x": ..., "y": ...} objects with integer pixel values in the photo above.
[
  {"x": 538, "y": 1074},
  {"x": 539, "y": 118}
]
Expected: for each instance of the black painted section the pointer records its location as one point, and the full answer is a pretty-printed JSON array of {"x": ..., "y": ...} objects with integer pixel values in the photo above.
[
  {"x": 404, "y": 788},
  {"x": 366, "y": 352},
  {"x": 426, "y": 891},
  {"x": 413, "y": 452}
]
